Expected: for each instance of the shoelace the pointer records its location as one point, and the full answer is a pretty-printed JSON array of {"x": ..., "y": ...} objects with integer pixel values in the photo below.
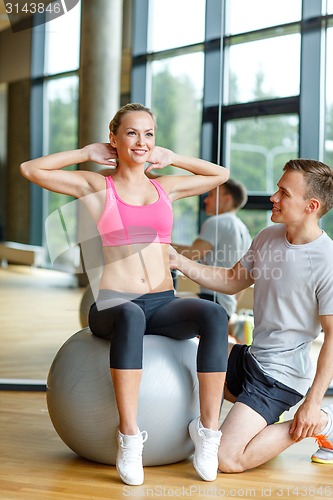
[
  {"x": 324, "y": 442},
  {"x": 131, "y": 451},
  {"x": 210, "y": 445}
]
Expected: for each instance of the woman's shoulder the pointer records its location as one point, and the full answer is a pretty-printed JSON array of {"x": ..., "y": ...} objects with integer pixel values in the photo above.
[{"x": 165, "y": 181}]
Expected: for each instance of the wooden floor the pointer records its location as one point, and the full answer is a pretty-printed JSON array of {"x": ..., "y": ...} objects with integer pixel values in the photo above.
[
  {"x": 38, "y": 313},
  {"x": 39, "y": 310}
]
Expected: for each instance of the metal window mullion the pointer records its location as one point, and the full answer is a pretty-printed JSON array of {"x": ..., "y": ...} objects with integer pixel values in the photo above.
[
  {"x": 139, "y": 47},
  {"x": 36, "y": 128},
  {"x": 312, "y": 82}
]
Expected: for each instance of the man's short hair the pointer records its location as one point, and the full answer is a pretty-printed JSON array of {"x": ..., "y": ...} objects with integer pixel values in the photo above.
[{"x": 238, "y": 192}]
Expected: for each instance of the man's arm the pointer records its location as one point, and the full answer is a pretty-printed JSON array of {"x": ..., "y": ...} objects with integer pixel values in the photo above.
[
  {"x": 307, "y": 416},
  {"x": 196, "y": 251},
  {"x": 220, "y": 279}
]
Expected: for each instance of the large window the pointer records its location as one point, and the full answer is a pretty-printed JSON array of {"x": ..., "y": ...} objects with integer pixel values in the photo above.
[
  {"x": 262, "y": 71},
  {"x": 60, "y": 133},
  {"x": 174, "y": 62},
  {"x": 177, "y": 86},
  {"x": 254, "y": 76}
]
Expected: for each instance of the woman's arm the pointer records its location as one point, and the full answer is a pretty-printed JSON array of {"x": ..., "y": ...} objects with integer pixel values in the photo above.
[
  {"x": 47, "y": 171},
  {"x": 207, "y": 175},
  {"x": 220, "y": 279}
]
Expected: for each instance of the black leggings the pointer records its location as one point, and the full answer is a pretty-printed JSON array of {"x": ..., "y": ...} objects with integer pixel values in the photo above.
[{"x": 124, "y": 319}]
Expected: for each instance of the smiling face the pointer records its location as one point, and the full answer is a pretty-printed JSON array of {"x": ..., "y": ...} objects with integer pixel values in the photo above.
[
  {"x": 289, "y": 202},
  {"x": 135, "y": 138}
]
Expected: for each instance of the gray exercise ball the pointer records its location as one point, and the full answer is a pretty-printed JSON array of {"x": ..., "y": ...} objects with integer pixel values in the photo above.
[{"x": 82, "y": 406}]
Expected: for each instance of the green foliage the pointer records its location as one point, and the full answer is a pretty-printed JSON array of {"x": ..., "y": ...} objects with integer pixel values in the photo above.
[
  {"x": 259, "y": 149},
  {"x": 63, "y": 134},
  {"x": 178, "y": 113}
]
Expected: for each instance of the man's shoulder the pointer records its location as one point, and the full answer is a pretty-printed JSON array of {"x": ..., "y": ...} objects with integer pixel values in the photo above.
[
  {"x": 324, "y": 248},
  {"x": 227, "y": 218},
  {"x": 218, "y": 219},
  {"x": 327, "y": 238}
]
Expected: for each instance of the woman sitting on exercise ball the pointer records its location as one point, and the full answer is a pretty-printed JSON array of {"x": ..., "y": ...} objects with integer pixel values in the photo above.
[{"x": 133, "y": 214}]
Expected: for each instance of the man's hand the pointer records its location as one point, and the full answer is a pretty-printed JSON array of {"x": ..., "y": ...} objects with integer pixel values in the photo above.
[
  {"x": 306, "y": 419},
  {"x": 173, "y": 258}
]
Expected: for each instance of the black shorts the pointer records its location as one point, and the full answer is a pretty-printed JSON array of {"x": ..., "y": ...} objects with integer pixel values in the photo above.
[{"x": 251, "y": 386}]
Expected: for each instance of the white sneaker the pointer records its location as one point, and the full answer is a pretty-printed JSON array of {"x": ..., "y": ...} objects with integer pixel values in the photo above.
[
  {"x": 324, "y": 454},
  {"x": 206, "y": 444},
  {"x": 129, "y": 457}
]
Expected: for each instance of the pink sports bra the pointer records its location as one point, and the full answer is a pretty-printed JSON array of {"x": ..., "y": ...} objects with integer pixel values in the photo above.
[{"x": 124, "y": 224}]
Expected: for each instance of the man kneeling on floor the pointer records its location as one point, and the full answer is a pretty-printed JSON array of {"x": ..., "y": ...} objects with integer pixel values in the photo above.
[{"x": 291, "y": 267}]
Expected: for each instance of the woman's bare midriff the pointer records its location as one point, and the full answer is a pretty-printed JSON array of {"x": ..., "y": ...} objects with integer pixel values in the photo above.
[{"x": 138, "y": 268}]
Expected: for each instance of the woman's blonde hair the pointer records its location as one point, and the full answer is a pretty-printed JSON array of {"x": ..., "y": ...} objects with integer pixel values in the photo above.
[{"x": 128, "y": 108}]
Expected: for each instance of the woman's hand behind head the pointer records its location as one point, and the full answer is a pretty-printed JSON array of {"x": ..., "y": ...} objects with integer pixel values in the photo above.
[{"x": 101, "y": 153}]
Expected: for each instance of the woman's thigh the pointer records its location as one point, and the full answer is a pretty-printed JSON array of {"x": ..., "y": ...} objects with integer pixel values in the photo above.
[
  {"x": 116, "y": 319},
  {"x": 187, "y": 318},
  {"x": 124, "y": 325}
]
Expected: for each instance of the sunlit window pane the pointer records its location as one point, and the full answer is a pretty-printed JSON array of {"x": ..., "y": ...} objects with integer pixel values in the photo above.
[
  {"x": 264, "y": 69},
  {"x": 248, "y": 15},
  {"x": 329, "y": 6},
  {"x": 62, "y": 47},
  {"x": 177, "y": 86},
  {"x": 175, "y": 23},
  {"x": 258, "y": 148},
  {"x": 61, "y": 134}
]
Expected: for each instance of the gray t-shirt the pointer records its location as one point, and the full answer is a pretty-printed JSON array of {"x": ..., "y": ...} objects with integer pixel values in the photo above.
[
  {"x": 230, "y": 239},
  {"x": 293, "y": 285}
]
